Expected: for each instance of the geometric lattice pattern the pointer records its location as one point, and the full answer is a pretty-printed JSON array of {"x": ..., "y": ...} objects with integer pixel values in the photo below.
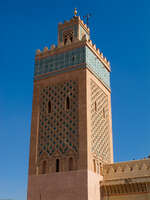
[
  {"x": 58, "y": 130},
  {"x": 99, "y": 123}
]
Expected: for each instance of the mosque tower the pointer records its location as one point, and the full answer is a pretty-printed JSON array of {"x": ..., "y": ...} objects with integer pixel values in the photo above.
[{"x": 71, "y": 128}]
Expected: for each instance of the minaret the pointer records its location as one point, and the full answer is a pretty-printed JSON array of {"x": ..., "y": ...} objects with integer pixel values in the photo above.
[{"x": 71, "y": 132}]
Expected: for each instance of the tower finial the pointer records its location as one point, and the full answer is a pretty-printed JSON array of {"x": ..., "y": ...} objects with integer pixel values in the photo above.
[{"x": 75, "y": 12}]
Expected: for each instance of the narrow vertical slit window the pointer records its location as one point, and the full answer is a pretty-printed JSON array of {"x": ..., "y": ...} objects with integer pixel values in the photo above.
[
  {"x": 95, "y": 106},
  {"x": 94, "y": 165},
  {"x": 65, "y": 41},
  {"x": 67, "y": 103},
  {"x": 70, "y": 164},
  {"x": 44, "y": 167},
  {"x": 71, "y": 38},
  {"x": 57, "y": 165},
  {"x": 104, "y": 114},
  {"x": 49, "y": 107},
  {"x": 73, "y": 58}
]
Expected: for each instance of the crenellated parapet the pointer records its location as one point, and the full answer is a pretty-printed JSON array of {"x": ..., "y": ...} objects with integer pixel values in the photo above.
[
  {"x": 124, "y": 170},
  {"x": 54, "y": 50},
  {"x": 80, "y": 54},
  {"x": 126, "y": 178},
  {"x": 99, "y": 54},
  {"x": 74, "y": 50},
  {"x": 45, "y": 51},
  {"x": 72, "y": 31},
  {"x": 75, "y": 20}
]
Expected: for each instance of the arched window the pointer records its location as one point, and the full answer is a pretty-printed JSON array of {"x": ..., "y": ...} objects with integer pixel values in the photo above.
[
  {"x": 73, "y": 58},
  {"x": 65, "y": 40},
  {"x": 95, "y": 106},
  {"x": 44, "y": 165},
  {"x": 49, "y": 107},
  {"x": 71, "y": 38},
  {"x": 68, "y": 37},
  {"x": 67, "y": 103},
  {"x": 57, "y": 165},
  {"x": 104, "y": 114},
  {"x": 94, "y": 165},
  {"x": 100, "y": 167},
  {"x": 70, "y": 164}
]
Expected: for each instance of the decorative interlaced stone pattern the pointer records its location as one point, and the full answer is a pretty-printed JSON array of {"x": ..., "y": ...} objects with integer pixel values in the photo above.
[
  {"x": 99, "y": 124},
  {"x": 58, "y": 129}
]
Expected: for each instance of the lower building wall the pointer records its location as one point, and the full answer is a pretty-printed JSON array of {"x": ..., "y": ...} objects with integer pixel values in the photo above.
[
  {"x": 143, "y": 196},
  {"x": 94, "y": 186},
  {"x": 58, "y": 186},
  {"x": 72, "y": 185}
]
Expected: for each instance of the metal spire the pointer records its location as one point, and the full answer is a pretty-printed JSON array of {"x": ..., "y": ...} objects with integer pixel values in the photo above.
[{"x": 87, "y": 16}]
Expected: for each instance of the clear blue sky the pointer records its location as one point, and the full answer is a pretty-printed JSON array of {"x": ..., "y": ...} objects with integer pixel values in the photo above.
[{"x": 121, "y": 29}]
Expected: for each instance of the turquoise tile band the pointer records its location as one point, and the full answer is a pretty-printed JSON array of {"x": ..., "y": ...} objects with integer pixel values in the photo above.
[{"x": 63, "y": 62}]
